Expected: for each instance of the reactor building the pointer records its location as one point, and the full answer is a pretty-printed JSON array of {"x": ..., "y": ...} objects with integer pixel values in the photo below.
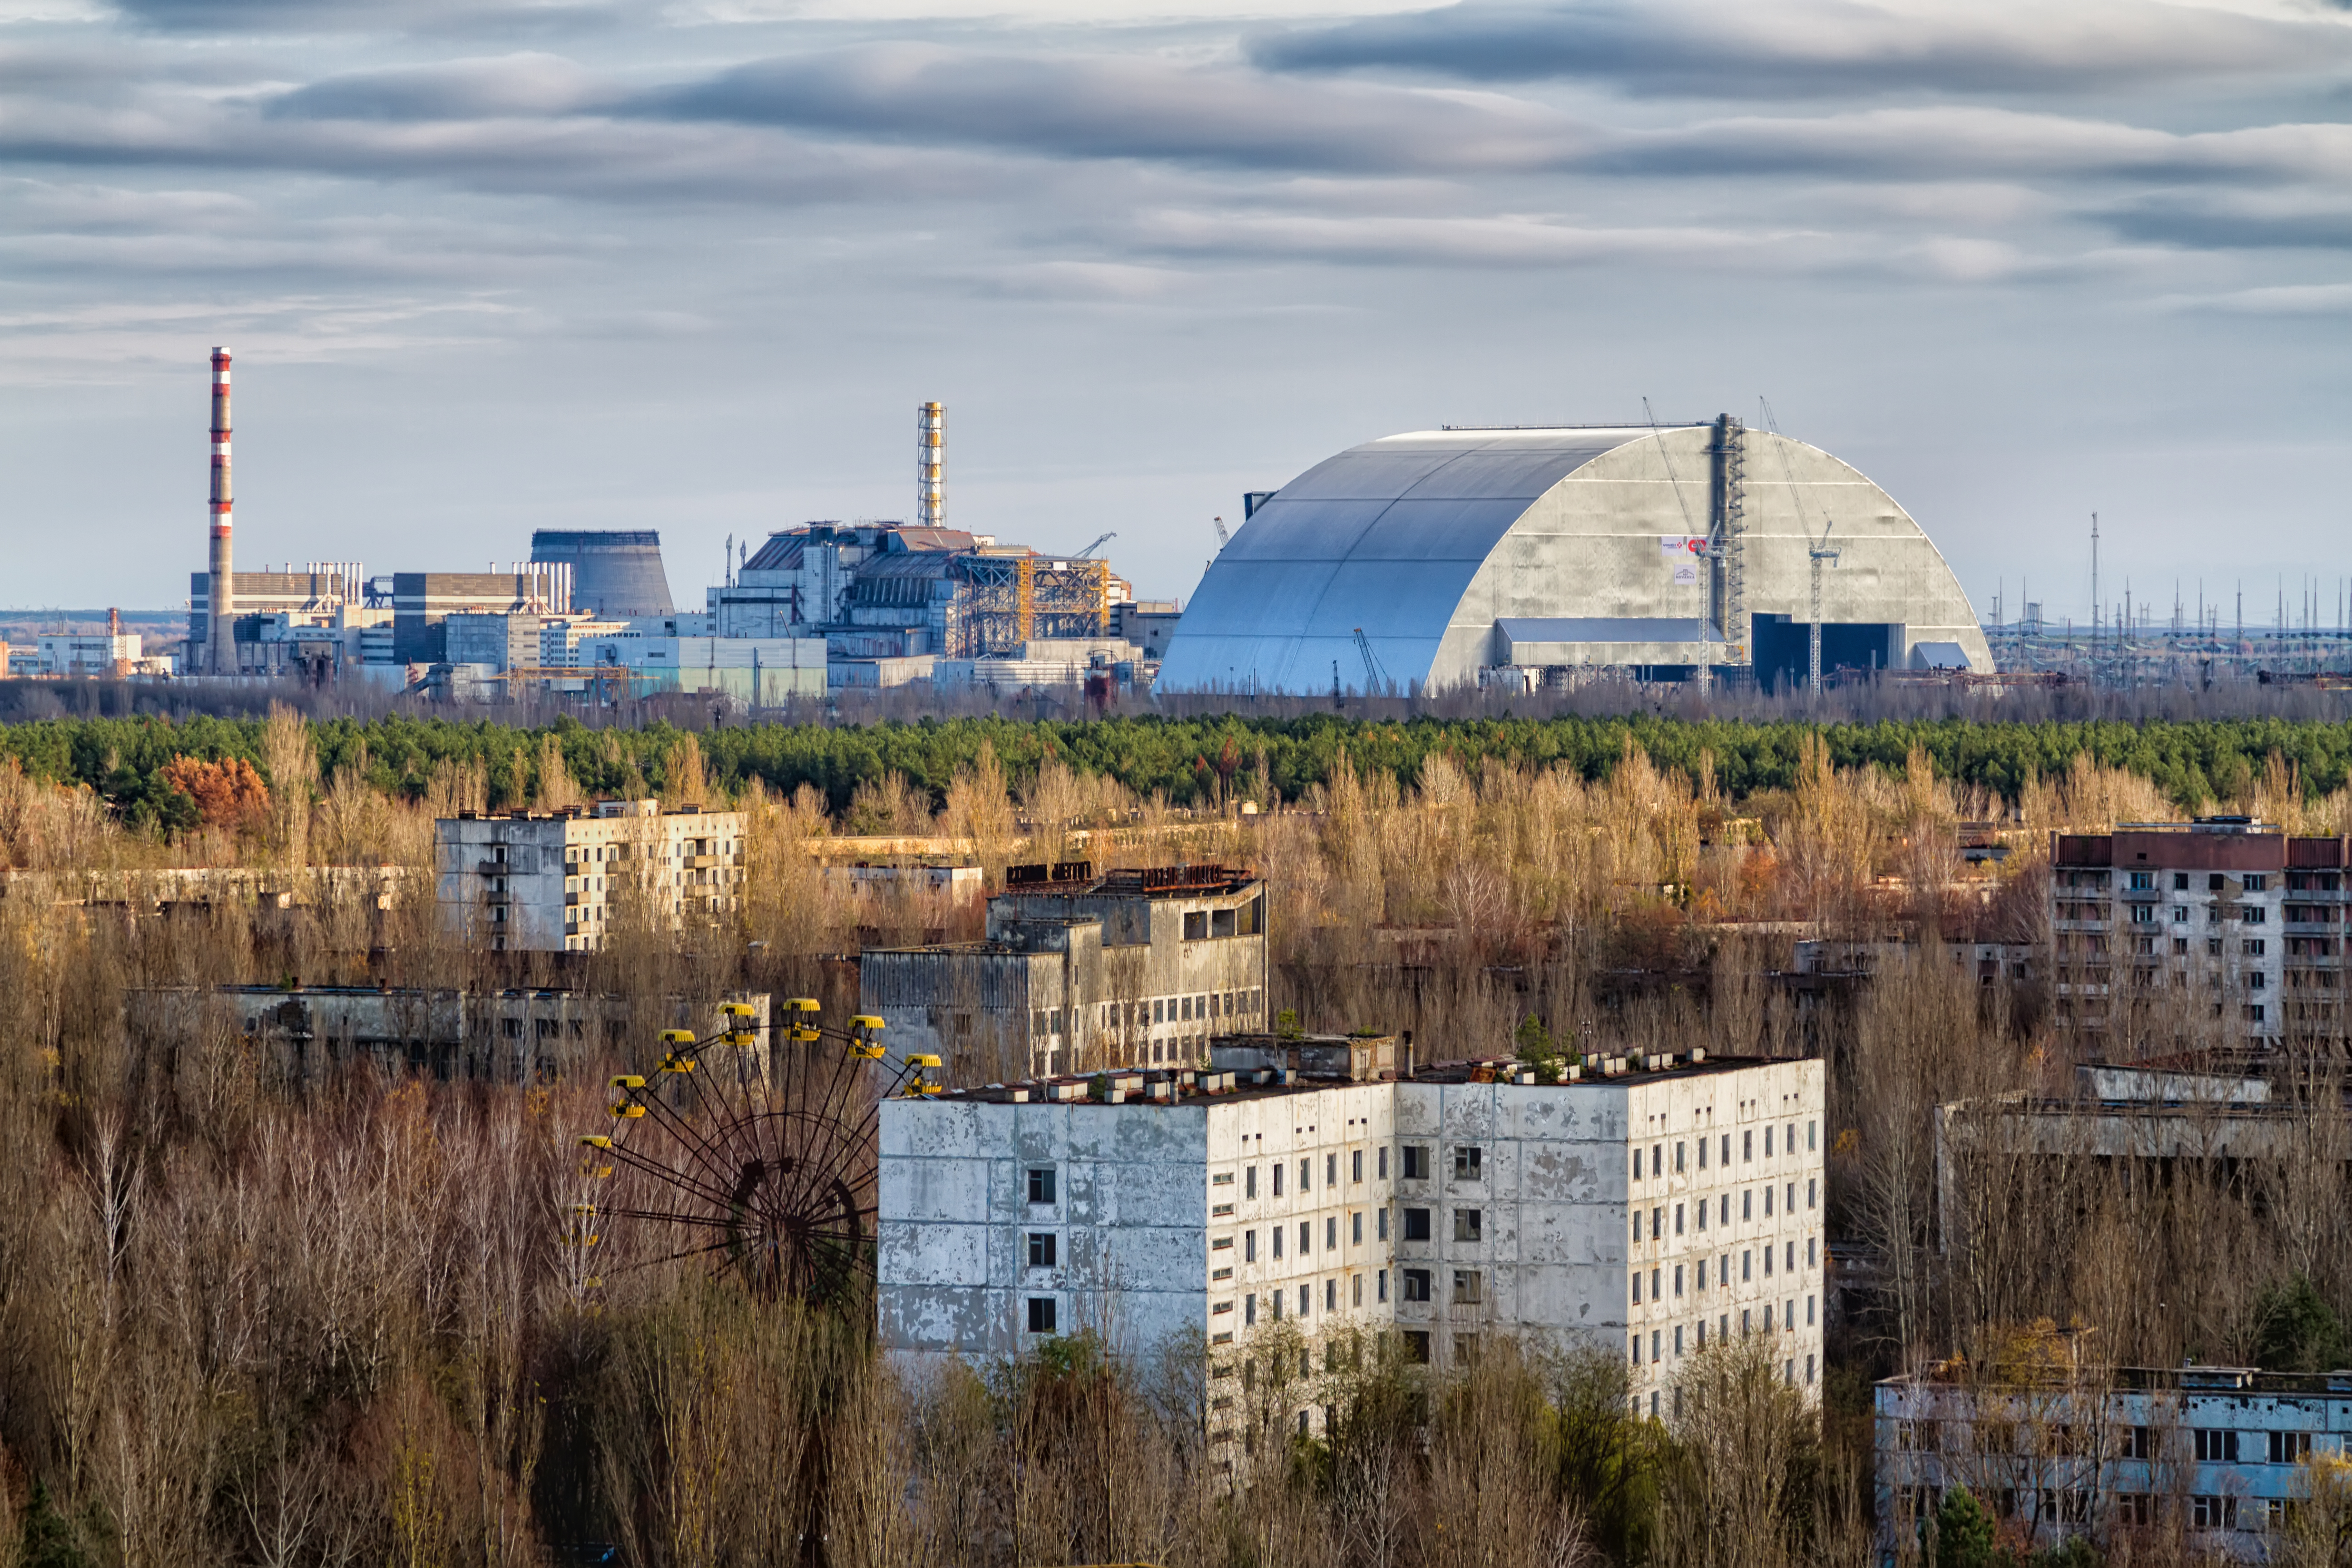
[{"x": 1460, "y": 556}]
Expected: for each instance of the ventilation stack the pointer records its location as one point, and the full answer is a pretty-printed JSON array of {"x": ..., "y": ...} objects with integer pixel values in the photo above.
[
  {"x": 220, "y": 601},
  {"x": 930, "y": 493}
]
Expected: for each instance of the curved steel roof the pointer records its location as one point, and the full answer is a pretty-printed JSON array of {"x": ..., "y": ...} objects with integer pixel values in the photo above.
[
  {"x": 1385, "y": 536},
  {"x": 1451, "y": 548}
]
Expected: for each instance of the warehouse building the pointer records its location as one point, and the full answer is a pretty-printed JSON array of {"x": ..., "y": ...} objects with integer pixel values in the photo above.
[
  {"x": 1653, "y": 1211},
  {"x": 1079, "y": 972},
  {"x": 559, "y": 881},
  {"x": 1454, "y": 557}
]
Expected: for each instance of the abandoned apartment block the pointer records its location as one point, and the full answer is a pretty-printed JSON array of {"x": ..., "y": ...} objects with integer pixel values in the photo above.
[
  {"x": 1079, "y": 972},
  {"x": 2225, "y": 912},
  {"x": 1655, "y": 1210},
  {"x": 2220, "y": 1453},
  {"x": 559, "y": 881}
]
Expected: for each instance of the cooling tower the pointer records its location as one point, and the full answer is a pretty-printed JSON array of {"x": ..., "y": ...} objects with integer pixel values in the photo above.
[{"x": 616, "y": 573}]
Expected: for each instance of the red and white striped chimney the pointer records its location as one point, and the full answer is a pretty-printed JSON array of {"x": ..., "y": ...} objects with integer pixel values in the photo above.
[{"x": 220, "y": 603}]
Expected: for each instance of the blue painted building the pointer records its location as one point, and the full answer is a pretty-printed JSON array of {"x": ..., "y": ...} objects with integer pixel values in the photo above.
[{"x": 2218, "y": 1455}]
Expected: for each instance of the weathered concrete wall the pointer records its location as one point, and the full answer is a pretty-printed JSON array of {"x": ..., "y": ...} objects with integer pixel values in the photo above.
[
  {"x": 1129, "y": 1219},
  {"x": 1756, "y": 1264},
  {"x": 1548, "y": 1251},
  {"x": 1309, "y": 1176}
]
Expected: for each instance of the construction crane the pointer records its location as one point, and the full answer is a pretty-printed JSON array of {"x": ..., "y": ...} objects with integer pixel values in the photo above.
[
  {"x": 1376, "y": 679},
  {"x": 1819, "y": 551},
  {"x": 1223, "y": 538},
  {"x": 1816, "y": 550},
  {"x": 1088, "y": 552}
]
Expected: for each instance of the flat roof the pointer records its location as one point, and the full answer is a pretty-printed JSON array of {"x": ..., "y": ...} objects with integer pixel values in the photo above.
[{"x": 1265, "y": 1083}]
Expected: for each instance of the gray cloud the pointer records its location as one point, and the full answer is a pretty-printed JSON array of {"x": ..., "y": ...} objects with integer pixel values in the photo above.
[
  {"x": 529, "y": 85},
  {"x": 1104, "y": 107},
  {"x": 1949, "y": 142},
  {"x": 279, "y": 19},
  {"x": 2235, "y": 221},
  {"x": 1735, "y": 49}
]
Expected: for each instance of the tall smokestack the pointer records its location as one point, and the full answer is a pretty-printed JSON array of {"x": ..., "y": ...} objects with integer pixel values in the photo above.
[
  {"x": 930, "y": 493},
  {"x": 220, "y": 603}
]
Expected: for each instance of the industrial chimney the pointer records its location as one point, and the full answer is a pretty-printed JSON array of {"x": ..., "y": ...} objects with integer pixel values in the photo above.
[
  {"x": 931, "y": 494},
  {"x": 220, "y": 602}
]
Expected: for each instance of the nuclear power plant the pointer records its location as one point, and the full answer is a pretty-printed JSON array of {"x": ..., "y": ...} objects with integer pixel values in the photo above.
[
  {"x": 1511, "y": 559},
  {"x": 1472, "y": 555},
  {"x": 818, "y": 606}
]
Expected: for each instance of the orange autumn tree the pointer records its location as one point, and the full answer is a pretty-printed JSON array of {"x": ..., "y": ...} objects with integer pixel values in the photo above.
[{"x": 228, "y": 794}]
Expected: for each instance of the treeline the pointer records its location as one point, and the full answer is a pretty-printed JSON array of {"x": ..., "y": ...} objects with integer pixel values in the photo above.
[{"x": 1187, "y": 760}]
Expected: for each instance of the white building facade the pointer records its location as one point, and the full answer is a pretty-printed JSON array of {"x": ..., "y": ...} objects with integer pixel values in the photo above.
[
  {"x": 558, "y": 881},
  {"x": 1441, "y": 1207}
]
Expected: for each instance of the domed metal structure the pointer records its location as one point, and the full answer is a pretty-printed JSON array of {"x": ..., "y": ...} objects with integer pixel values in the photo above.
[{"x": 1427, "y": 558}]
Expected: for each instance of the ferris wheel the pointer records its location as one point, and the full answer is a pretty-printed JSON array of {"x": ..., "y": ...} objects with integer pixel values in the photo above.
[{"x": 756, "y": 1157}]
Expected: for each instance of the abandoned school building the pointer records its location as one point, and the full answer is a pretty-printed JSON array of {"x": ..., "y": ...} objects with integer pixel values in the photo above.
[
  {"x": 1080, "y": 971},
  {"x": 2217, "y": 1452},
  {"x": 1653, "y": 1208}
]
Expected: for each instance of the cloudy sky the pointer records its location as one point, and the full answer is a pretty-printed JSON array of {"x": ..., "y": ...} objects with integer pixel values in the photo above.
[{"x": 494, "y": 265}]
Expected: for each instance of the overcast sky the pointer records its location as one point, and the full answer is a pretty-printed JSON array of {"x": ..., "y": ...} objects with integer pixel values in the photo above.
[{"x": 494, "y": 265}]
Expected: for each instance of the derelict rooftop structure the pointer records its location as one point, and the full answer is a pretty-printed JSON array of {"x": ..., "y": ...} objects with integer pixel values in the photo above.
[{"x": 1677, "y": 550}]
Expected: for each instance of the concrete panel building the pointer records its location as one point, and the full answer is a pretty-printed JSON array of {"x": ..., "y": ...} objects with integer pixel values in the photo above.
[
  {"x": 1464, "y": 554},
  {"x": 308, "y": 1033},
  {"x": 2235, "y": 913},
  {"x": 559, "y": 881},
  {"x": 1079, "y": 972},
  {"x": 2220, "y": 1455},
  {"x": 1651, "y": 1212}
]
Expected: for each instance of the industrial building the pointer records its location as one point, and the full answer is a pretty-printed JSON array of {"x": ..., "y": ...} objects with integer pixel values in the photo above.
[
  {"x": 423, "y": 602},
  {"x": 72, "y": 655},
  {"x": 2219, "y": 1454},
  {"x": 2223, "y": 912},
  {"x": 1079, "y": 972},
  {"x": 559, "y": 881},
  {"x": 1652, "y": 1211},
  {"x": 616, "y": 573},
  {"x": 819, "y": 607},
  {"x": 1463, "y": 556},
  {"x": 876, "y": 590}
]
